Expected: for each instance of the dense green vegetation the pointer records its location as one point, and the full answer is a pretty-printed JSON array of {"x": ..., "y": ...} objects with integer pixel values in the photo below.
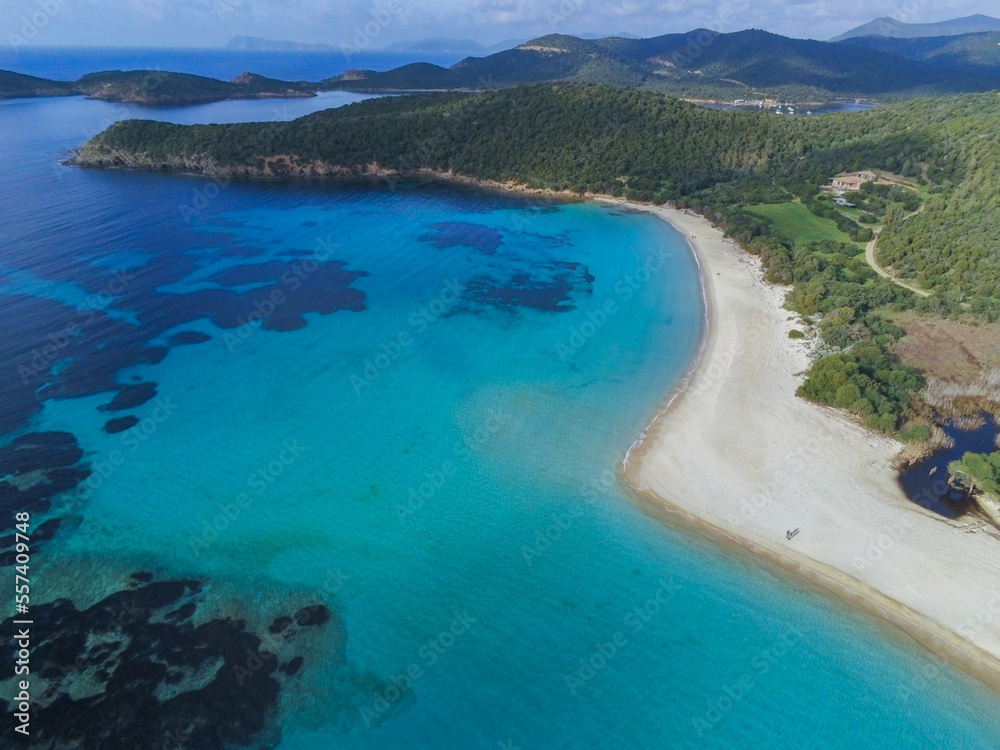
[
  {"x": 750, "y": 64},
  {"x": 644, "y": 146},
  {"x": 799, "y": 224},
  {"x": 978, "y": 470},
  {"x": 700, "y": 64},
  {"x": 151, "y": 87},
  {"x": 866, "y": 381},
  {"x": 977, "y": 52},
  {"x": 15, "y": 85}
]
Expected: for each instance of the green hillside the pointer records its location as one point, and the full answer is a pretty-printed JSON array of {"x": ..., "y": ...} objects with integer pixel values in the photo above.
[
  {"x": 723, "y": 164},
  {"x": 151, "y": 87},
  {"x": 974, "y": 52},
  {"x": 698, "y": 64}
]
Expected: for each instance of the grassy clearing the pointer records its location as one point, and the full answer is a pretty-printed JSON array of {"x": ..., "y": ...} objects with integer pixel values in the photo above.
[{"x": 797, "y": 223}]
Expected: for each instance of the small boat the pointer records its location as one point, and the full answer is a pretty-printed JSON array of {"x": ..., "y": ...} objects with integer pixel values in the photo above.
[
  {"x": 933, "y": 471},
  {"x": 792, "y": 534}
]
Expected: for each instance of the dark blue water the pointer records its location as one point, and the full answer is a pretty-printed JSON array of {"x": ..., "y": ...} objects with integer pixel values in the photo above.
[
  {"x": 926, "y": 482},
  {"x": 68, "y": 64},
  {"x": 314, "y": 465}
]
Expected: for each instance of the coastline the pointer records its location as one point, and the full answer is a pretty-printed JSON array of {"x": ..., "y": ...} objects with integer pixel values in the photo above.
[
  {"x": 801, "y": 465},
  {"x": 804, "y": 466}
]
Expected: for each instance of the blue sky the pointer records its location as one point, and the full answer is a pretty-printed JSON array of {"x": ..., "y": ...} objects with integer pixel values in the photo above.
[{"x": 212, "y": 22}]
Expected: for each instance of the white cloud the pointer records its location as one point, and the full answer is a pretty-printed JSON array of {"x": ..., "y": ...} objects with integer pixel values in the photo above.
[{"x": 213, "y": 22}]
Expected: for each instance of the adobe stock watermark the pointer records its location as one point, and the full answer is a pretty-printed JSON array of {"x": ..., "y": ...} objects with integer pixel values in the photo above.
[
  {"x": 225, "y": 8},
  {"x": 131, "y": 440},
  {"x": 41, "y": 359},
  {"x": 798, "y": 461},
  {"x": 736, "y": 690},
  {"x": 367, "y": 32},
  {"x": 633, "y": 622},
  {"x": 34, "y": 21},
  {"x": 289, "y": 283},
  {"x": 203, "y": 197},
  {"x": 877, "y": 549},
  {"x": 419, "y": 321},
  {"x": 464, "y": 450},
  {"x": 152, "y": 80},
  {"x": 273, "y": 641},
  {"x": 711, "y": 31},
  {"x": 401, "y": 684},
  {"x": 547, "y": 534},
  {"x": 936, "y": 666},
  {"x": 624, "y": 289},
  {"x": 258, "y": 482}
]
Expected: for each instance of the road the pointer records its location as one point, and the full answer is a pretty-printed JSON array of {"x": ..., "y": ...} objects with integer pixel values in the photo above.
[{"x": 870, "y": 257}]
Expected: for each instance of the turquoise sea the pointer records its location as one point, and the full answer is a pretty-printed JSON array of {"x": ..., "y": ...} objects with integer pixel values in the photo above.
[{"x": 360, "y": 486}]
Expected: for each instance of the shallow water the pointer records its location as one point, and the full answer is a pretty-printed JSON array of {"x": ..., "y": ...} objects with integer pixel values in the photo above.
[
  {"x": 423, "y": 435},
  {"x": 926, "y": 482}
]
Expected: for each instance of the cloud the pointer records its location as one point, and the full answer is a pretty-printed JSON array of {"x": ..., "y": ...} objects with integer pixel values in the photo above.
[{"x": 213, "y": 22}]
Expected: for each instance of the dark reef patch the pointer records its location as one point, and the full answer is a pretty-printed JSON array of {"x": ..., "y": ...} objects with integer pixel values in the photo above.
[
  {"x": 35, "y": 467},
  {"x": 312, "y": 616},
  {"x": 153, "y": 675},
  {"x": 120, "y": 424},
  {"x": 187, "y": 338},
  {"x": 550, "y": 287},
  {"x": 279, "y": 624},
  {"x": 251, "y": 273},
  {"x": 41, "y": 534},
  {"x": 550, "y": 240},
  {"x": 54, "y": 351},
  {"x": 460, "y": 233},
  {"x": 131, "y": 396}
]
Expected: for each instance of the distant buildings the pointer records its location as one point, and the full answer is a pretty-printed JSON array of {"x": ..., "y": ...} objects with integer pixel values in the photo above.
[{"x": 845, "y": 183}]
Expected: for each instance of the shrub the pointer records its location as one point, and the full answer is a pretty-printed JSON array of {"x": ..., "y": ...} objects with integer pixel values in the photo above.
[{"x": 915, "y": 433}]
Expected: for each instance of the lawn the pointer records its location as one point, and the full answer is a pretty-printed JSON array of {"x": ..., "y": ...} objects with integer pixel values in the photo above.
[{"x": 797, "y": 223}]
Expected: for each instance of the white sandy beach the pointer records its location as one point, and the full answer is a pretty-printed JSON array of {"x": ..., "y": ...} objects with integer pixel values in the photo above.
[{"x": 736, "y": 453}]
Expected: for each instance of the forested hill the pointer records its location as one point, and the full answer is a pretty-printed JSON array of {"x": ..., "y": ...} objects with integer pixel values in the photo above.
[
  {"x": 635, "y": 144},
  {"x": 890, "y": 27},
  {"x": 724, "y": 164},
  {"x": 975, "y": 52},
  {"x": 699, "y": 64},
  {"x": 151, "y": 87}
]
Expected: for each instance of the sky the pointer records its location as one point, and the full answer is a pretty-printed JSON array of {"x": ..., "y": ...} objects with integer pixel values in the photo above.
[{"x": 378, "y": 23}]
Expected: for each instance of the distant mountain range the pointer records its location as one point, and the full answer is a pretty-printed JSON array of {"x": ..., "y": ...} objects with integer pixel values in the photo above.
[
  {"x": 890, "y": 27},
  {"x": 698, "y": 64},
  {"x": 969, "y": 52},
  {"x": 701, "y": 64}
]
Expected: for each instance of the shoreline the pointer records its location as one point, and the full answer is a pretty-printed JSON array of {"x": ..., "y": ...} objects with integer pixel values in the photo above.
[
  {"x": 805, "y": 466},
  {"x": 687, "y": 446}
]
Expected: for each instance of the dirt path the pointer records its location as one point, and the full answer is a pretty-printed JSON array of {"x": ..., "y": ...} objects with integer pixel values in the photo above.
[{"x": 870, "y": 257}]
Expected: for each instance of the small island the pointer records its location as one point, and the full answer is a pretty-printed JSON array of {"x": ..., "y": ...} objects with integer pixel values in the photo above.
[{"x": 152, "y": 87}]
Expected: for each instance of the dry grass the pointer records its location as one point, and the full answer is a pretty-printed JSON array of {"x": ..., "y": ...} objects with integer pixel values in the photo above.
[{"x": 960, "y": 361}]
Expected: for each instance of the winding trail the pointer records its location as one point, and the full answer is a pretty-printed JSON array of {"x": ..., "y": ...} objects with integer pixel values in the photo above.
[{"x": 870, "y": 257}]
